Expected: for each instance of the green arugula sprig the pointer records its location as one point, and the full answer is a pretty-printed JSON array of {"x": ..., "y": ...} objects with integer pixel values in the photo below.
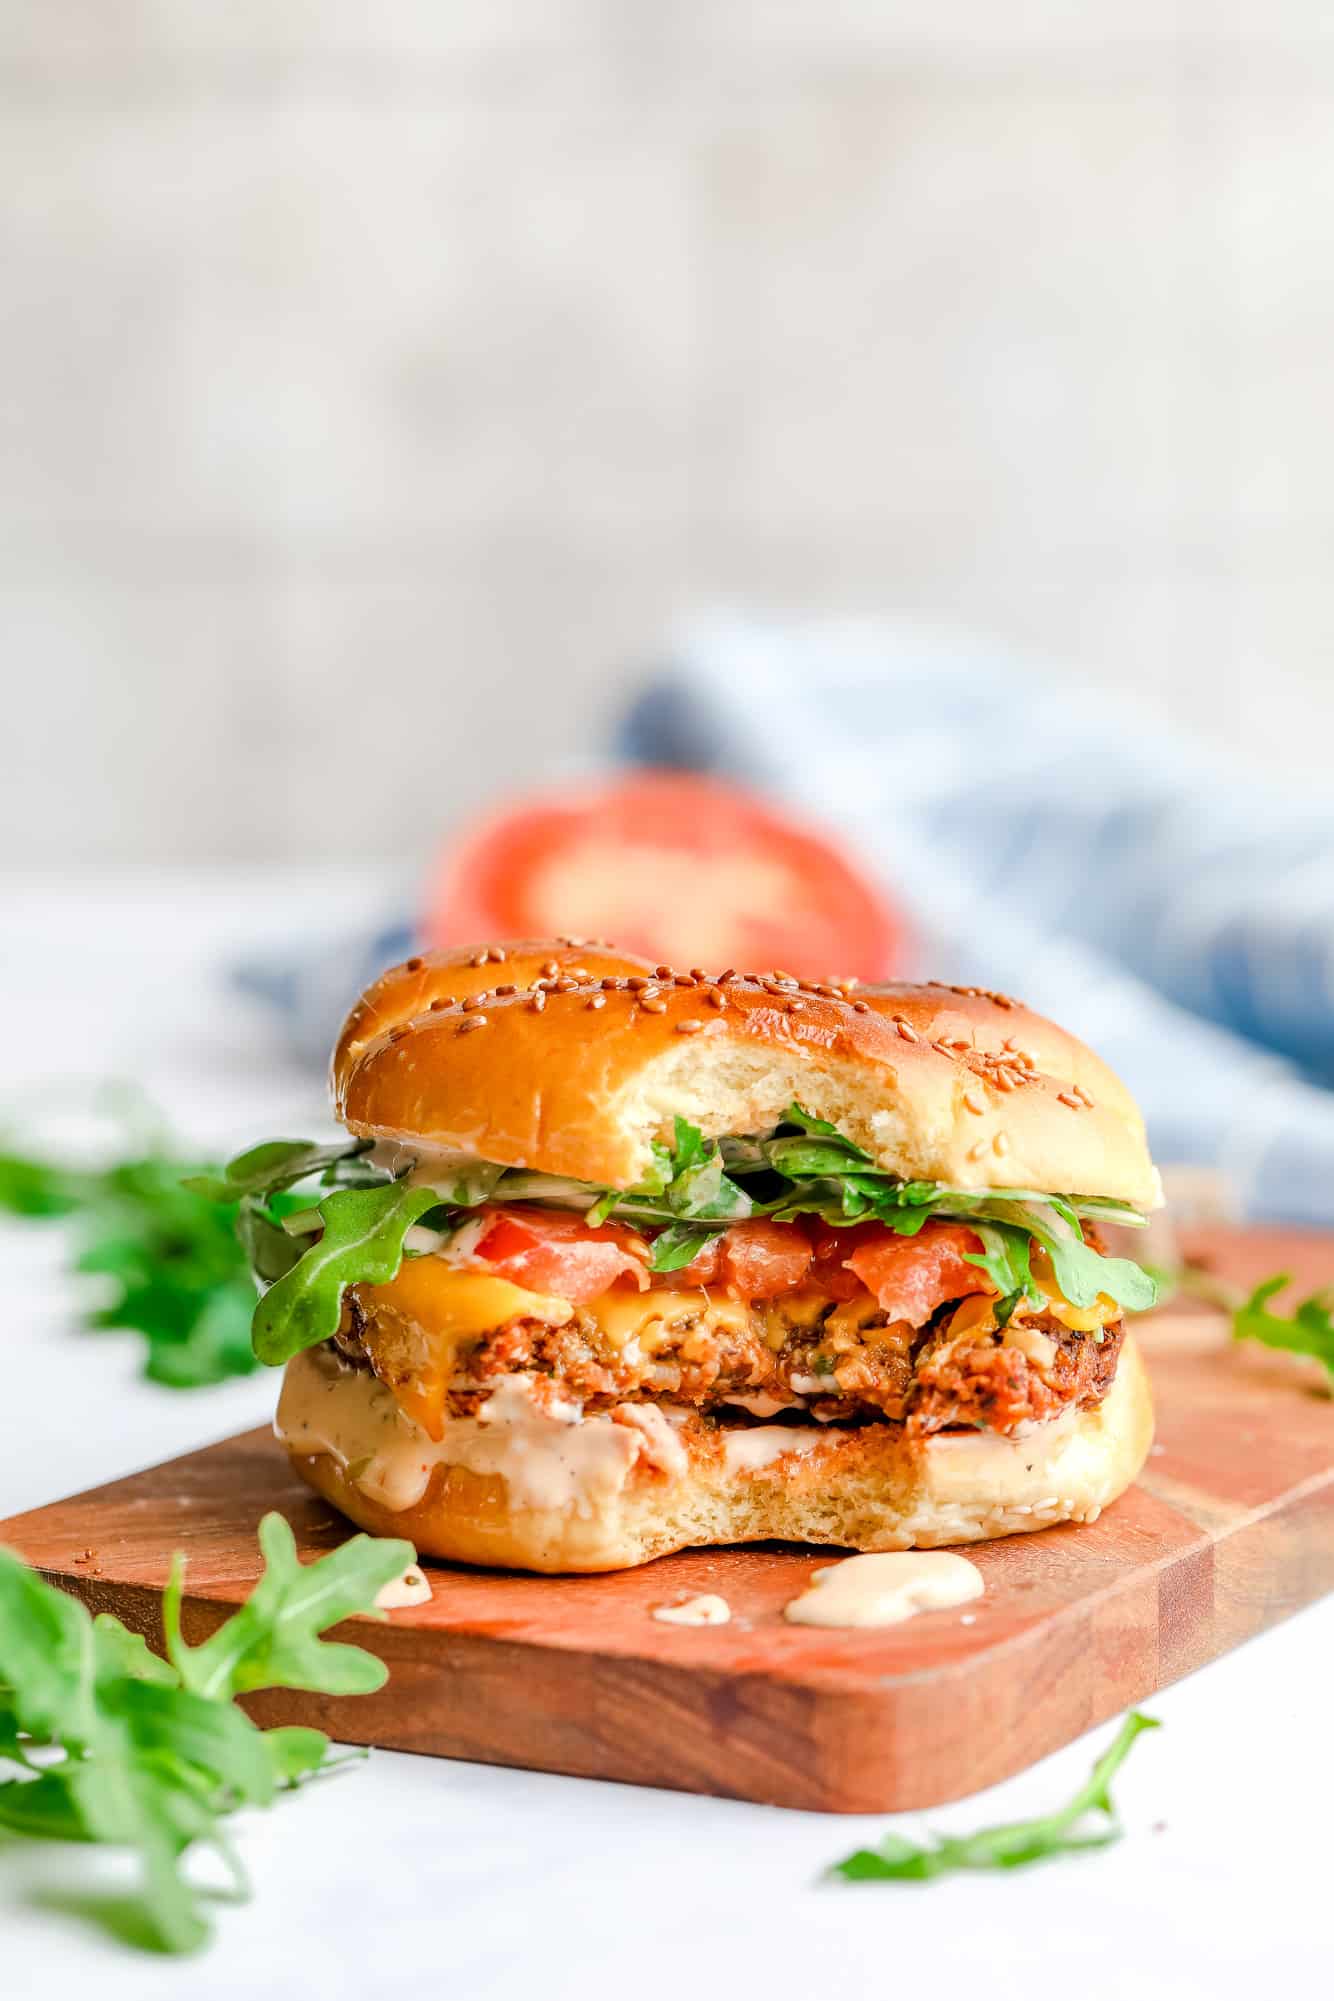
[
  {"x": 1308, "y": 1330},
  {"x": 1014, "y": 1845},
  {"x": 108, "y": 1743},
  {"x": 168, "y": 1255},
  {"x": 358, "y": 1231}
]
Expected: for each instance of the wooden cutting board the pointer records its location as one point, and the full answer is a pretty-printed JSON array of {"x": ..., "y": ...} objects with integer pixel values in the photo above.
[{"x": 1230, "y": 1529}]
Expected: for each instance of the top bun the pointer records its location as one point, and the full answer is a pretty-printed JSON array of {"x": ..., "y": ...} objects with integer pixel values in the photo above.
[{"x": 572, "y": 1058}]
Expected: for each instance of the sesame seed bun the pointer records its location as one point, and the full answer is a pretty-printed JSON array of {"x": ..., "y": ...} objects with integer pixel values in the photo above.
[
  {"x": 573, "y": 1059},
  {"x": 871, "y": 1488}
]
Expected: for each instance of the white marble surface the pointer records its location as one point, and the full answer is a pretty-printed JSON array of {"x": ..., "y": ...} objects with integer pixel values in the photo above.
[{"x": 412, "y": 1876}]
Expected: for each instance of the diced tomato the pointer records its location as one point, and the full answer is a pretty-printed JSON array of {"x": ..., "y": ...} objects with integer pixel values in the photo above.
[
  {"x": 754, "y": 1260},
  {"x": 912, "y": 1276},
  {"x": 552, "y": 1251},
  {"x": 830, "y": 1250}
]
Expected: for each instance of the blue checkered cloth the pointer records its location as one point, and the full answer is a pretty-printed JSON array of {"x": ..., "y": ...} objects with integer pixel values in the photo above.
[
  {"x": 1049, "y": 841},
  {"x": 1043, "y": 839}
]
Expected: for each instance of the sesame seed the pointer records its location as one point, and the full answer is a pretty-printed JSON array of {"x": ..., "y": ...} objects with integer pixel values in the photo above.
[
  {"x": 504, "y": 992},
  {"x": 478, "y": 959},
  {"x": 597, "y": 1001},
  {"x": 715, "y": 998},
  {"x": 861, "y": 1007},
  {"x": 412, "y": 966},
  {"x": 730, "y": 974},
  {"x": 439, "y": 1003},
  {"x": 779, "y": 974},
  {"x": 1003, "y": 1081},
  {"x": 637, "y": 983},
  {"x": 1068, "y": 1098},
  {"x": 550, "y": 968},
  {"x": 793, "y": 1006},
  {"x": 698, "y": 973},
  {"x": 609, "y": 985},
  {"x": 908, "y": 1033},
  {"x": 565, "y": 986},
  {"x": 538, "y": 1001},
  {"x": 498, "y": 955},
  {"x": 690, "y": 1027},
  {"x": 653, "y": 1003},
  {"x": 973, "y": 1105},
  {"x": 473, "y": 1021},
  {"x": 1000, "y": 1145},
  {"x": 473, "y": 1002},
  {"x": 682, "y": 980},
  {"x": 976, "y": 1152},
  {"x": 665, "y": 972}
]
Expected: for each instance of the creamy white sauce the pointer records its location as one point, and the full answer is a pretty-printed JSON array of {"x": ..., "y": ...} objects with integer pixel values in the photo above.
[
  {"x": 661, "y": 1447},
  {"x": 758, "y": 1402},
  {"x": 410, "y": 1587},
  {"x": 884, "y": 1589},
  {"x": 706, "y": 1610},
  {"x": 751, "y": 1450},
  {"x": 550, "y": 1457},
  {"x": 422, "y": 1166}
]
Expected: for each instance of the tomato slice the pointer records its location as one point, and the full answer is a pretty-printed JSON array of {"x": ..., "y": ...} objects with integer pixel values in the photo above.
[
  {"x": 912, "y": 1276},
  {"x": 680, "y": 867},
  {"x": 550, "y": 1251}
]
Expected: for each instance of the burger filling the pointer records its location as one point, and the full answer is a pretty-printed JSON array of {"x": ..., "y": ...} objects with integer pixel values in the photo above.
[
  {"x": 779, "y": 1278},
  {"x": 840, "y": 1326}
]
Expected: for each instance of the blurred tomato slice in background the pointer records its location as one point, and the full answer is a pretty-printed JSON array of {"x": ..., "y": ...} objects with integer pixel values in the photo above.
[{"x": 682, "y": 868}]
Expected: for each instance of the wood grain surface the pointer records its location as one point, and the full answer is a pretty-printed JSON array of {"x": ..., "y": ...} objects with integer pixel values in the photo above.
[{"x": 1230, "y": 1529}]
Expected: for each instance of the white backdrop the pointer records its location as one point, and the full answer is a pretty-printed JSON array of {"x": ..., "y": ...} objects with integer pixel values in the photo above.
[{"x": 375, "y": 382}]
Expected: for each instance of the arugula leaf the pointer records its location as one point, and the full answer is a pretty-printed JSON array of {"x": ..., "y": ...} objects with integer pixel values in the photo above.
[
  {"x": 273, "y": 1641},
  {"x": 168, "y": 1258},
  {"x": 679, "y": 1245},
  {"x": 38, "y": 1187},
  {"x": 154, "y": 1754},
  {"x": 363, "y": 1237},
  {"x": 797, "y": 1115},
  {"x": 275, "y": 1164},
  {"x": 1308, "y": 1330},
  {"x": 1080, "y": 1271},
  {"x": 1006, "y": 1259},
  {"x": 1012, "y": 1846}
]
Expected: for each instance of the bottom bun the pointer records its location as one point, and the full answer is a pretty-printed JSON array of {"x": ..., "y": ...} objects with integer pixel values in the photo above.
[{"x": 535, "y": 1489}]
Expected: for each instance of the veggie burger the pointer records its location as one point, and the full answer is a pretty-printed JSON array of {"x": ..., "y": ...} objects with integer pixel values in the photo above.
[{"x": 621, "y": 1259}]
